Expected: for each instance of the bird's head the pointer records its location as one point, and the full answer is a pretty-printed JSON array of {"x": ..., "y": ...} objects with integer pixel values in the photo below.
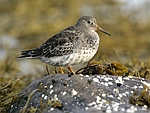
[{"x": 89, "y": 23}]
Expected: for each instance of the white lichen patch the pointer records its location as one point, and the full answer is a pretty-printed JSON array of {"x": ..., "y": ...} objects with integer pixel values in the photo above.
[
  {"x": 123, "y": 94},
  {"x": 120, "y": 95},
  {"x": 81, "y": 74},
  {"x": 108, "y": 111},
  {"x": 51, "y": 109},
  {"x": 51, "y": 86},
  {"x": 79, "y": 95},
  {"x": 102, "y": 83},
  {"x": 86, "y": 108},
  {"x": 144, "y": 107},
  {"x": 92, "y": 104},
  {"x": 119, "y": 98},
  {"x": 98, "y": 99},
  {"x": 42, "y": 95},
  {"x": 127, "y": 92},
  {"x": 116, "y": 90},
  {"x": 130, "y": 110},
  {"x": 106, "y": 79},
  {"x": 106, "y": 84},
  {"x": 103, "y": 101},
  {"x": 122, "y": 109},
  {"x": 110, "y": 83},
  {"x": 103, "y": 95},
  {"x": 55, "y": 98},
  {"x": 45, "y": 97},
  {"x": 12, "y": 106},
  {"x": 126, "y": 78},
  {"x": 86, "y": 87},
  {"x": 51, "y": 92},
  {"x": 74, "y": 92},
  {"x": 135, "y": 87},
  {"x": 45, "y": 87},
  {"x": 92, "y": 93},
  {"x": 87, "y": 76},
  {"x": 96, "y": 80},
  {"x": 141, "y": 87},
  {"x": 115, "y": 105},
  {"x": 64, "y": 93},
  {"x": 131, "y": 92},
  {"x": 75, "y": 83},
  {"x": 119, "y": 80},
  {"x": 110, "y": 96}
]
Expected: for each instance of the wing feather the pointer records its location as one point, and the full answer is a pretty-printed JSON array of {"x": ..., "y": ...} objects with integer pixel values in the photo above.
[
  {"x": 58, "y": 45},
  {"x": 62, "y": 43}
]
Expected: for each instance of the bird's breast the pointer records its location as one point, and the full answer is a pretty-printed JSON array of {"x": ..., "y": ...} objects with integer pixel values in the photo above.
[{"x": 85, "y": 49}]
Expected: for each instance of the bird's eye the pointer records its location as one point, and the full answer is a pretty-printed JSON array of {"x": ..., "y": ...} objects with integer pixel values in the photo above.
[{"x": 88, "y": 22}]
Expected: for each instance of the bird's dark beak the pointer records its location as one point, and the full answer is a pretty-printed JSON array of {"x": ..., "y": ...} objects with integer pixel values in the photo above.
[{"x": 102, "y": 30}]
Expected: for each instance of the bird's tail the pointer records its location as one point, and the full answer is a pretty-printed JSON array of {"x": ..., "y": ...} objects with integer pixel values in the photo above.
[{"x": 34, "y": 53}]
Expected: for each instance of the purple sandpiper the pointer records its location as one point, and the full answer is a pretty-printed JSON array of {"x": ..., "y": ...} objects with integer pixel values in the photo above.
[{"x": 73, "y": 45}]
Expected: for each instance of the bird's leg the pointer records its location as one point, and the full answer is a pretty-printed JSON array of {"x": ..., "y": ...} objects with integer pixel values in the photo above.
[
  {"x": 47, "y": 70},
  {"x": 71, "y": 70},
  {"x": 61, "y": 70},
  {"x": 55, "y": 72}
]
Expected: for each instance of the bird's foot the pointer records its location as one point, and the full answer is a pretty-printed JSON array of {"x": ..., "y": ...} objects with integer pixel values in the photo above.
[
  {"x": 61, "y": 70},
  {"x": 71, "y": 70}
]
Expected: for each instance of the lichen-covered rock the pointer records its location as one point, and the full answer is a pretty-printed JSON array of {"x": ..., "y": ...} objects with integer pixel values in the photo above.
[{"x": 80, "y": 94}]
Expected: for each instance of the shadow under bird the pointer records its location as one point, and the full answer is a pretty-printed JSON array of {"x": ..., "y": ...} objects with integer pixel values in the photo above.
[{"x": 73, "y": 45}]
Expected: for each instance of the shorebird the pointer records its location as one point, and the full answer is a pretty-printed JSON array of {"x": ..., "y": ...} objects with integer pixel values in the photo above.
[{"x": 73, "y": 45}]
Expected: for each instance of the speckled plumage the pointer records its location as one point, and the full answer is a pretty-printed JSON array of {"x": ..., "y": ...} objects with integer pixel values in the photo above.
[{"x": 74, "y": 45}]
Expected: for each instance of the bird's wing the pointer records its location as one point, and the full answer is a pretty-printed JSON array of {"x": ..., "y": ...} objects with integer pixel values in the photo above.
[
  {"x": 61, "y": 43},
  {"x": 58, "y": 45}
]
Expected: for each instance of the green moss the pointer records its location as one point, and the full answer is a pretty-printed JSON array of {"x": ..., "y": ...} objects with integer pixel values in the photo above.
[
  {"x": 116, "y": 68},
  {"x": 7, "y": 96},
  {"x": 143, "y": 98}
]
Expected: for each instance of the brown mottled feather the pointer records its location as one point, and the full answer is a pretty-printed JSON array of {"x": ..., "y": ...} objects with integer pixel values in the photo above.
[{"x": 58, "y": 45}]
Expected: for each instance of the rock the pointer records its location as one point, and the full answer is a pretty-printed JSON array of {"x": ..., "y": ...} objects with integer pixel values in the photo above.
[{"x": 80, "y": 94}]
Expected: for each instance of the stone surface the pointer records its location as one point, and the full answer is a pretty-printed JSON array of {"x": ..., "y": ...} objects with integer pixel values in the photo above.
[{"x": 82, "y": 94}]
